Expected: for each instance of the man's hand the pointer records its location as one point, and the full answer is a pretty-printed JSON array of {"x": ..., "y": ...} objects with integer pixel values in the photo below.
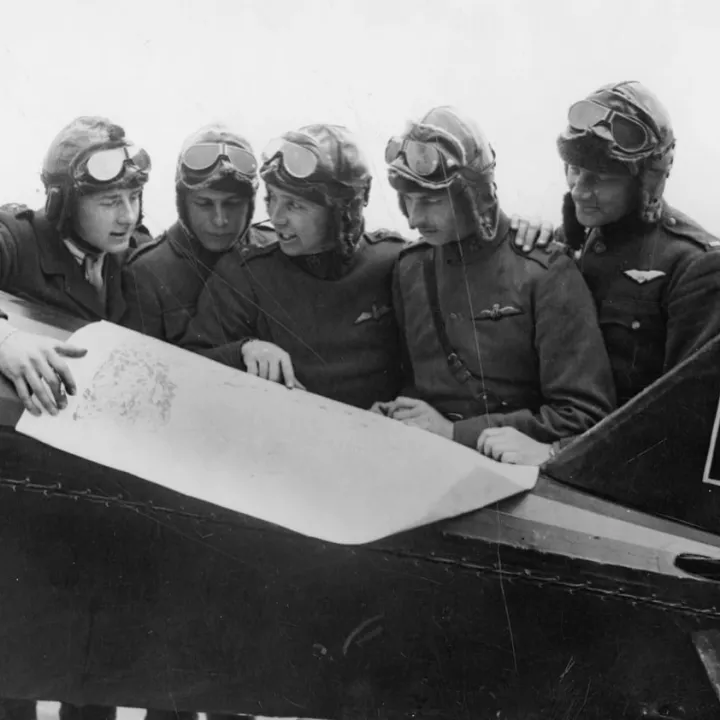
[
  {"x": 382, "y": 408},
  {"x": 35, "y": 365},
  {"x": 509, "y": 445},
  {"x": 531, "y": 233},
  {"x": 417, "y": 413},
  {"x": 269, "y": 362}
]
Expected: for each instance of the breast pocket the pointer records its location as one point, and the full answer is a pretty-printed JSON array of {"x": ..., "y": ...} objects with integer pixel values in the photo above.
[
  {"x": 636, "y": 317},
  {"x": 634, "y": 332}
]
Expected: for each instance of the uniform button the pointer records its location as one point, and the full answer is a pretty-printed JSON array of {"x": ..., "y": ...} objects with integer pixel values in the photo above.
[
  {"x": 453, "y": 316},
  {"x": 599, "y": 247},
  {"x": 671, "y": 221},
  {"x": 635, "y": 325}
]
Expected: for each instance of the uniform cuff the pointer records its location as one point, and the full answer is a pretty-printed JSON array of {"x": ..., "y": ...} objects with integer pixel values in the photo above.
[
  {"x": 230, "y": 354},
  {"x": 466, "y": 432}
]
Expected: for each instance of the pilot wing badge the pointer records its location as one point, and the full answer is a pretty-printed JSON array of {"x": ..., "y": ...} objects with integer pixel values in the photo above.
[
  {"x": 644, "y": 276},
  {"x": 496, "y": 312},
  {"x": 375, "y": 313}
]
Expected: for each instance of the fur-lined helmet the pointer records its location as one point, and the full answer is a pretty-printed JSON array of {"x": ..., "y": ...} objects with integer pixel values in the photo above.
[
  {"x": 214, "y": 157},
  {"x": 623, "y": 128},
  {"x": 91, "y": 154},
  {"x": 447, "y": 151},
  {"x": 324, "y": 164}
]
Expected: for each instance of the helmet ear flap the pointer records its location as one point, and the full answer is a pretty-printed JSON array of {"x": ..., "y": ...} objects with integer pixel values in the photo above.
[
  {"x": 54, "y": 202},
  {"x": 401, "y": 204},
  {"x": 485, "y": 217},
  {"x": 573, "y": 230}
]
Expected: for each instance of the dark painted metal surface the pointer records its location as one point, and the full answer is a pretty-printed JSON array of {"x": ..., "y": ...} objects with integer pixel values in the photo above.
[
  {"x": 707, "y": 644},
  {"x": 651, "y": 453},
  {"x": 116, "y": 591}
]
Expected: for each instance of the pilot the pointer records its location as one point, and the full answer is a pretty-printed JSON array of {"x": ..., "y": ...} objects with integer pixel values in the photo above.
[
  {"x": 215, "y": 181},
  {"x": 69, "y": 255},
  {"x": 654, "y": 272},
  {"x": 314, "y": 307},
  {"x": 494, "y": 337}
]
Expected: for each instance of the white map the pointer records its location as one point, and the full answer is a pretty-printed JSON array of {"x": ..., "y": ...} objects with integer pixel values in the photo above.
[
  {"x": 309, "y": 464},
  {"x": 132, "y": 386}
]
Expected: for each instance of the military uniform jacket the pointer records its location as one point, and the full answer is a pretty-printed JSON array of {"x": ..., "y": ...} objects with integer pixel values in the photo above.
[
  {"x": 524, "y": 326},
  {"x": 163, "y": 281},
  {"x": 657, "y": 291},
  {"x": 36, "y": 265},
  {"x": 340, "y": 333}
]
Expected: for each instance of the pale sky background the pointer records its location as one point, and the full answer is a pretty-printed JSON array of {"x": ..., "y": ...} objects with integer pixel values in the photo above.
[{"x": 163, "y": 68}]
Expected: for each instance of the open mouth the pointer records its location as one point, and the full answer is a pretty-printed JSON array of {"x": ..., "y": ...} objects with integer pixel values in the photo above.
[{"x": 283, "y": 237}]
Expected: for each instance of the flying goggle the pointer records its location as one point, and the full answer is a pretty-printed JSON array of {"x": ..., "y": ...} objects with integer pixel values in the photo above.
[
  {"x": 298, "y": 161},
  {"x": 203, "y": 156},
  {"x": 628, "y": 134},
  {"x": 107, "y": 165},
  {"x": 423, "y": 158}
]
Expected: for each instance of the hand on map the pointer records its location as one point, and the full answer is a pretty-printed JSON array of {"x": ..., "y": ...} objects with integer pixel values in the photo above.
[
  {"x": 270, "y": 362},
  {"x": 415, "y": 413},
  {"x": 35, "y": 365},
  {"x": 508, "y": 445},
  {"x": 531, "y": 233}
]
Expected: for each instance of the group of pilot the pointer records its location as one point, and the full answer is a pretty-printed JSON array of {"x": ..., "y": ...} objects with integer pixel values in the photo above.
[
  {"x": 483, "y": 332},
  {"x": 486, "y": 335}
]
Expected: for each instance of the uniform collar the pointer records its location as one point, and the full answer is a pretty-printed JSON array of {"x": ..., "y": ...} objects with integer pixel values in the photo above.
[
  {"x": 78, "y": 253},
  {"x": 474, "y": 249},
  {"x": 57, "y": 259},
  {"x": 183, "y": 242},
  {"x": 631, "y": 226},
  {"x": 326, "y": 265},
  {"x": 56, "y": 256}
]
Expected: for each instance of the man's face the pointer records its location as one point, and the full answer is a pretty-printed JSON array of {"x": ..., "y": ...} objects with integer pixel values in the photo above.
[
  {"x": 301, "y": 225},
  {"x": 106, "y": 220},
  {"x": 601, "y": 198},
  {"x": 217, "y": 217},
  {"x": 438, "y": 216}
]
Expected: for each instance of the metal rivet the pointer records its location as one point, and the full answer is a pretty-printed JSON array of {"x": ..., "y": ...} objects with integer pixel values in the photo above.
[{"x": 635, "y": 325}]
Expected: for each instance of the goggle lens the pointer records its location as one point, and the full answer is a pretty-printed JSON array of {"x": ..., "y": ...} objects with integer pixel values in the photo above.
[
  {"x": 107, "y": 165},
  {"x": 298, "y": 161},
  {"x": 628, "y": 134},
  {"x": 203, "y": 156},
  {"x": 422, "y": 158}
]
